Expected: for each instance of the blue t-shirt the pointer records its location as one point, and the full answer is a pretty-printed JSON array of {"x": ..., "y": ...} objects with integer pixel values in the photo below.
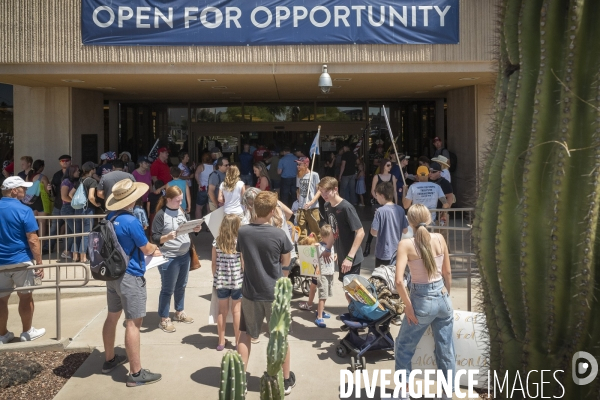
[
  {"x": 16, "y": 220},
  {"x": 246, "y": 163},
  {"x": 287, "y": 165},
  {"x": 131, "y": 237},
  {"x": 180, "y": 183},
  {"x": 389, "y": 222}
]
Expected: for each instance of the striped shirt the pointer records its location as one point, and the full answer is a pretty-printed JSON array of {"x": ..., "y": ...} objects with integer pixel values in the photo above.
[{"x": 229, "y": 273}]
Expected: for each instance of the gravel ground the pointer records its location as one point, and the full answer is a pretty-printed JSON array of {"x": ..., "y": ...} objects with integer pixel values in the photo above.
[{"x": 58, "y": 368}]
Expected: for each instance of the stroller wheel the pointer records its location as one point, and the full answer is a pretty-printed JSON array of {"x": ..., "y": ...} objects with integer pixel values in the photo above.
[
  {"x": 352, "y": 364},
  {"x": 341, "y": 350},
  {"x": 306, "y": 287},
  {"x": 344, "y": 328},
  {"x": 363, "y": 363}
]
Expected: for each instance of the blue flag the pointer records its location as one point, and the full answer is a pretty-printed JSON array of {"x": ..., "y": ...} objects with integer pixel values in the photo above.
[{"x": 314, "y": 147}]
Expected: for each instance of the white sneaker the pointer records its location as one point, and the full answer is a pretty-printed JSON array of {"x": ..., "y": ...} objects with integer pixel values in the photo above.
[
  {"x": 7, "y": 338},
  {"x": 33, "y": 334}
]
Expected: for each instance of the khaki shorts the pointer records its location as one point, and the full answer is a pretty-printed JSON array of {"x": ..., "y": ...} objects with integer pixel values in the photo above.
[
  {"x": 16, "y": 279},
  {"x": 211, "y": 206},
  {"x": 253, "y": 314},
  {"x": 325, "y": 286},
  {"x": 128, "y": 293}
]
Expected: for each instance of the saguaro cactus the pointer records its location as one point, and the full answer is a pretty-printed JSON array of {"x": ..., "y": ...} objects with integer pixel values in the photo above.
[
  {"x": 537, "y": 212},
  {"x": 233, "y": 377},
  {"x": 271, "y": 383}
]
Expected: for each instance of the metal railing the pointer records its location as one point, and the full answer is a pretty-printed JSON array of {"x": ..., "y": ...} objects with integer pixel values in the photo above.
[
  {"x": 54, "y": 246},
  {"x": 58, "y": 284}
]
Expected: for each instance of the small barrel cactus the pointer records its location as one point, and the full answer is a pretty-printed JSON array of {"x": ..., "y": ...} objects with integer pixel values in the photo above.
[
  {"x": 233, "y": 377},
  {"x": 271, "y": 383}
]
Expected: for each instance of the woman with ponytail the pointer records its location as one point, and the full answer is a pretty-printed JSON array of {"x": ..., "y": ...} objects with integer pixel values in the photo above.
[{"x": 429, "y": 302}]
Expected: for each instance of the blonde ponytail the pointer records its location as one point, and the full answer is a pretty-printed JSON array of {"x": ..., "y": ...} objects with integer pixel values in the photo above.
[{"x": 419, "y": 217}]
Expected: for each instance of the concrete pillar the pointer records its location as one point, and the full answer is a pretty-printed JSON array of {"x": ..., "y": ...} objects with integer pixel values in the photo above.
[
  {"x": 50, "y": 122},
  {"x": 113, "y": 125}
]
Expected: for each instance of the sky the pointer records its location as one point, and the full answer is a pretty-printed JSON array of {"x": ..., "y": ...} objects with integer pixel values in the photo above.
[{"x": 6, "y": 94}]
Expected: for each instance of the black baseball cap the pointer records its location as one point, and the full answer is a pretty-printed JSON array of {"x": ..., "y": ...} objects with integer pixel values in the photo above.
[
  {"x": 435, "y": 166},
  {"x": 142, "y": 159},
  {"x": 64, "y": 157}
]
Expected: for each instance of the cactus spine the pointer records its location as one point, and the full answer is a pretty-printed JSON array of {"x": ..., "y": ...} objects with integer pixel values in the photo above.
[
  {"x": 271, "y": 383},
  {"x": 538, "y": 206},
  {"x": 233, "y": 377}
]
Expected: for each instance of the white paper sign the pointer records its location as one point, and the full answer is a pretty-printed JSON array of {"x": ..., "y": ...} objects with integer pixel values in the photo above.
[
  {"x": 214, "y": 219},
  {"x": 189, "y": 226},
  {"x": 214, "y": 309},
  {"x": 469, "y": 346}
]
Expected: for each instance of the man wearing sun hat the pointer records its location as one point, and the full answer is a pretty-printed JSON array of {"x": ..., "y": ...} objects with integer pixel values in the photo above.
[
  {"x": 159, "y": 170},
  {"x": 128, "y": 293},
  {"x": 445, "y": 164},
  {"x": 19, "y": 244},
  {"x": 424, "y": 192}
]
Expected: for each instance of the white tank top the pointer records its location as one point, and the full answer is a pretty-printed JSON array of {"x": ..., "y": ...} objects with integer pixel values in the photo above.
[{"x": 208, "y": 169}]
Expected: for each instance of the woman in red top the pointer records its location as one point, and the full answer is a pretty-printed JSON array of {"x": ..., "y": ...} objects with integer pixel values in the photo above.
[{"x": 260, "y": 170}]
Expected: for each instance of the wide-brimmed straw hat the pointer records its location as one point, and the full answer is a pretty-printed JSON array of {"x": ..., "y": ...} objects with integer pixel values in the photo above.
[
  {"x": 124, "y": 193},
  {"x": 442, "y": 160}
]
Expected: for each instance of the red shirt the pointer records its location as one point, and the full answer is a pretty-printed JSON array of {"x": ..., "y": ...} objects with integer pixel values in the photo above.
[
  {"x": 161, "y": 171},
  {"x": 259, "y": 153},
  {"x": 267, "y": 189}
]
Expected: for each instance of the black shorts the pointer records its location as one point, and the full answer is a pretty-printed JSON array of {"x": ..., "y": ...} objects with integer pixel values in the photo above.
[
  {"x": 355, "y": 270},
  {"x": 37, "y": 205}
]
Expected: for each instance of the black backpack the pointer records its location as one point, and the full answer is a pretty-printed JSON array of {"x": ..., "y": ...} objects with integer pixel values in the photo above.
[
  {"x": 108, "y": 260},
  {"x": 453, "y": 161}
]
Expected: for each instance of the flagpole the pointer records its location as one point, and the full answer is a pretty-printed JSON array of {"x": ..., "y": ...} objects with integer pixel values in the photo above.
[
  {"x": 387, "y": 121},
  {"x": 152, "y": 149},
  {"x": 313, "y": 158}
]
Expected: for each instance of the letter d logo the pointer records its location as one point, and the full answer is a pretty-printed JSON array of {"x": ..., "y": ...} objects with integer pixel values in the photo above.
[{"x": 582, "y": 364}]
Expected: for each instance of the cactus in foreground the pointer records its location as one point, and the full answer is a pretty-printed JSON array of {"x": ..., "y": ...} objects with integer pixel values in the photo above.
[
  {"x": 233, "y": 377},
  {"x": 537, "y": 212},
  {"x": 271, "y": 383}
]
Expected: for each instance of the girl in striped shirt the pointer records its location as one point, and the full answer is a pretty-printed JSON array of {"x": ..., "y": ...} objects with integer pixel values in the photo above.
[{"x": 227, "y": 268}]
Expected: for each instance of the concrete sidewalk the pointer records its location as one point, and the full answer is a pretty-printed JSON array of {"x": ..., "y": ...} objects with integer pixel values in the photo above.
[{"x": 188, "y": 360}]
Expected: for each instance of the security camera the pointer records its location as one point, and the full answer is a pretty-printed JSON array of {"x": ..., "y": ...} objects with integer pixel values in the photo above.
[{"x": 325, "y": 81}]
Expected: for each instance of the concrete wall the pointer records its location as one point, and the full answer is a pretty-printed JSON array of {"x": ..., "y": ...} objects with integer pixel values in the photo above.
[
  {"x": 49, "y": 122},
  {"x": 50, "y": 32},
  {"x": 469, "y": 118}
]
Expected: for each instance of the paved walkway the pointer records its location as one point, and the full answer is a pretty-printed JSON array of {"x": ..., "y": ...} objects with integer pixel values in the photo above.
[{"x": 187, "y": 358}]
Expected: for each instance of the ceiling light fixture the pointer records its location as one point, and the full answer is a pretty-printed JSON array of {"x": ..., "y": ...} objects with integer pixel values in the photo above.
[
  {"x": 441, "y": 86},
  {"x": 219, "y": 87},
  {"x": 207, "y": 80},
  {"x": 342, "y": 79},
  {"x": 422, "y": 91},
  {"x": 469, "y": 79},
  {"x": 106, "y": 88},
  {"x": 72, "y": 80}
]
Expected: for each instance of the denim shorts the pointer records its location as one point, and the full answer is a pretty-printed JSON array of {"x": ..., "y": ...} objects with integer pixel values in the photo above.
[
  {"x": 235, "y": 294},
  {"x": 202, "y": 198}
]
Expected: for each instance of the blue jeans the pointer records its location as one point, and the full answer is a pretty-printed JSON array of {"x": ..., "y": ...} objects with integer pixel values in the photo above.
[
  {"x": 68, "y": 210},
  {"x": 85, "y": 226},
  {"x": 55, "y": 226},
  {"x": 288, "y": 191},
  {"x": 173, "y": 277},
  {"x": 348, "y": 188},
  {"x": 432, "y": 307}
]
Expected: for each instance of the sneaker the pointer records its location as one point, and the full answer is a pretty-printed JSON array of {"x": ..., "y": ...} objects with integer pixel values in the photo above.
[
  {"x": 289, "y": 383},
  {"x": 4, "y": 339},
  {"x": 182, "y": 317},
  {"x": 144, "y": 378},
  {"x": 110, "y": 365},
  {"x": 325, "y": 315},
  {"x": 167, "y": 325},
  {"x": 32, "y": 334},
  {"x": 65, "y": 255},
  {"x": 320, "y": 322},
  {"x": 255, "y": 340}
]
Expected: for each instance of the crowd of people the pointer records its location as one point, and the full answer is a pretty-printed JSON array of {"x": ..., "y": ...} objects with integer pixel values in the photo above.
[{"x": 263, "y": 198}]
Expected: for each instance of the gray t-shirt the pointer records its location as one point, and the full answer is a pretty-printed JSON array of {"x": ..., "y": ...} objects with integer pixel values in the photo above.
[
  {"x": 261, "y": 247},
  {"x": 215, "y": 178},
  {"x": 344, "y": 222},
  {"x": 108, "y": 181},
  {"x": 165, "y": 221},
  {"x": 389, "y": 222},
  {"x": 307, "y": 189}
]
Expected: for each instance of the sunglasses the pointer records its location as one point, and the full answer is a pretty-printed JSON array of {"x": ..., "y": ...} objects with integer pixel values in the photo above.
[
  {"x": 225, "y": 165},
  {"x": 433, "y": 171}
]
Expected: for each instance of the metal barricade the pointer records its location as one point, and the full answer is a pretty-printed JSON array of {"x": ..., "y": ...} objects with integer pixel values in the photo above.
[
  {"x": 58, "y": 284},
  {"x": 56, "y": 245}
]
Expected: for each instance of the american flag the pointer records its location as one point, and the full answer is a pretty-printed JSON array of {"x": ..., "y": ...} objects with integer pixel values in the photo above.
[{"x": 153, "y": 155}]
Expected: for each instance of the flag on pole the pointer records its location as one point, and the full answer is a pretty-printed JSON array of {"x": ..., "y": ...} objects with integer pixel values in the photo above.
[
  {"x": 314, "y": 147},
  {"x": 153, "y": 155}
]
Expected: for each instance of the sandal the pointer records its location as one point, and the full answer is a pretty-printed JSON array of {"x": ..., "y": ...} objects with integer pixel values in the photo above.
[
  {"x": 65, "y": 255},
  {"x": 304, "y": 306},
  {"x": 325, "y": 315},
  {"x": 320, "y": 323}
]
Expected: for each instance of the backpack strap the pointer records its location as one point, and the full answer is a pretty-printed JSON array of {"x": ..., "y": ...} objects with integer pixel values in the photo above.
[{"x": 121, "y": 212}]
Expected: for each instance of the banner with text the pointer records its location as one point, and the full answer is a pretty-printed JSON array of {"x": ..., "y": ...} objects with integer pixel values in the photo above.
[{"x": 268, "y": 22}]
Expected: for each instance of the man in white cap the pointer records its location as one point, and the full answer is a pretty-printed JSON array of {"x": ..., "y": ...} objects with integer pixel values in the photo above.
[
  {"x": 19, "y": 244},
  {"x": 128, "y": 293}
]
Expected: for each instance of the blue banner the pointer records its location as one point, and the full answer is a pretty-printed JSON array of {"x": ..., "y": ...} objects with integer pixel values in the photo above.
[{"x": 268, "y": 22}]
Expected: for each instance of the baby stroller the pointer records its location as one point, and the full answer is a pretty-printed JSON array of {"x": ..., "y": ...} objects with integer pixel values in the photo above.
[
  {"x": 299, "y": 282},
  {"x": 375, "y": 323}
]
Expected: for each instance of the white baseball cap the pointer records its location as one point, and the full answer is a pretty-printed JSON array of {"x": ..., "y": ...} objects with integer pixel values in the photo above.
[{"x": 13, "y": 182}]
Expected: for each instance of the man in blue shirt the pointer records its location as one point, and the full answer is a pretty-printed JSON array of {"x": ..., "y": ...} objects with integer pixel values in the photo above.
[
  {"x": 246, "y": 166},
  {"x": 19, "y": 244},
  {"x": 288, "y": 170},
  {"x": 128, "y": 293}
]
